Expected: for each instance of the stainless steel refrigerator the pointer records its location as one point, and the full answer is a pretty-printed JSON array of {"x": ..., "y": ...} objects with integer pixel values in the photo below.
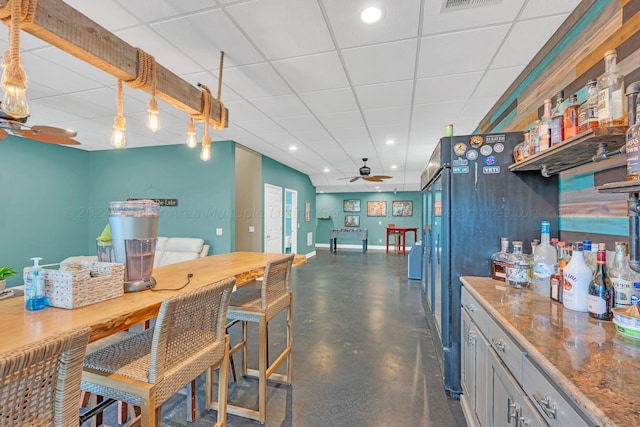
[{"x": 470, "y": 201}]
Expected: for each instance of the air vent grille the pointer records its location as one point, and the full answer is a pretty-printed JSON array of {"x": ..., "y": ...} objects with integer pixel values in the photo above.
[{"x": 454, "y": 5}]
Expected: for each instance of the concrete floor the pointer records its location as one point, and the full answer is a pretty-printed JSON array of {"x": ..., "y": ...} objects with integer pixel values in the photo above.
[{"x": 363, "y": 354}]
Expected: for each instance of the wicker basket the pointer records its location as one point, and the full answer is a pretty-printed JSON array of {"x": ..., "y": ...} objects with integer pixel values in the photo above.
[{"x": 77, "y": 284}]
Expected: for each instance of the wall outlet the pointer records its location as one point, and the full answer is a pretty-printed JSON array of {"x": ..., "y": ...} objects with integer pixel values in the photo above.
[
  {"x": 379, "y": 222},
  {"x": 252, "y": 229},
  {"x": 218, "y": 231}
]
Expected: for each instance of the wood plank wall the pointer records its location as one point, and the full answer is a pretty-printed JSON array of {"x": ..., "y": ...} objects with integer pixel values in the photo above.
[{"x": 573, "y": 56}]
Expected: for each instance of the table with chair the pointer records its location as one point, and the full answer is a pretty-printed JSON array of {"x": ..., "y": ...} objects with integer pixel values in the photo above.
[
  {"x": 188, "y": 339},
  {"x": 400, "y": 235}
]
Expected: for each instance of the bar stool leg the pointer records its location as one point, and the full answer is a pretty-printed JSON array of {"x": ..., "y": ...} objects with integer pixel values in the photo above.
[
  {"x": 262, "y": 370},
  {"x": 290, "y": 339}
]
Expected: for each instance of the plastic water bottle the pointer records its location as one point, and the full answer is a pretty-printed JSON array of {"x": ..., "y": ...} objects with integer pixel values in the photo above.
[{"x": 34, "y": 287}]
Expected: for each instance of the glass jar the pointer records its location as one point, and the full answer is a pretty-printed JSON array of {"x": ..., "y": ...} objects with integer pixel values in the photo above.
[{"x": 517, "y": 268}]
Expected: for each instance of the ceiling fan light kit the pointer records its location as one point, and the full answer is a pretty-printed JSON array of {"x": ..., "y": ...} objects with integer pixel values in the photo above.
[{"x": 365, "y": 173}]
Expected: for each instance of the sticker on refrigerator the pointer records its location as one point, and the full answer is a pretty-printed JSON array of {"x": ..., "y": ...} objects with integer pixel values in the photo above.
[
  {"x": 476, "y": 141},
  {"x": 472, "y": 154},
  {"x": 499, "y": 147},
  {"x": 460, "y": 169},
  {"x": 460, "y": 148},
  {"x": 460, "y": 162},
  {"x": 491, "y": 169},
  {"x": 492, "y": 139},
  {"x": 490, "y": 161},
  {"x": 485, "y": 150}
]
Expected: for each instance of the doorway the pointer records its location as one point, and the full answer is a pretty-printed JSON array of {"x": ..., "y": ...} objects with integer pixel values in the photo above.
[
  {"x": 290, "y": 221},
  {"x": 273, "y": 218}
]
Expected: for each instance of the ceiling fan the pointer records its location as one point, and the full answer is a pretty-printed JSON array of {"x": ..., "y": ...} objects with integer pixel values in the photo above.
[
  {"x": 48, "y": 134},
  {"x": 365, "y": 173}
]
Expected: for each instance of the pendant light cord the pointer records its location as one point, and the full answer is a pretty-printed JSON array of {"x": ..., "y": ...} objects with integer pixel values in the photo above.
[
  {"x": 146, "y": 76},
  {"x": 16, "y": 12}
]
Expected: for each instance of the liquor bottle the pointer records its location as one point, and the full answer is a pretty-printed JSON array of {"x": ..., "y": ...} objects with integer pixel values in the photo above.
[
  {"x": 544, "y": 128},
  {"x": 577, "y": 277},
  {"x": 517, "y": 268},
  {"x": 621, "y": 276},
  {"x": 592, "y": 105},
  {"x": 571, "y": 118},
  {"x": 534, "y": 138},
  {"x": 545, "y": 260},
  {"x": 557, "y": 280},
  {"x": 631, "y": 146},
  {"x": 534, "y": 243},
  {"x": 601, "y": 297},
  {"x": 586, "y": 254},
  {"x": 557, "y": 120},
  {"x": 499, "y": 260},
  {"x": 611, "y": 93}
]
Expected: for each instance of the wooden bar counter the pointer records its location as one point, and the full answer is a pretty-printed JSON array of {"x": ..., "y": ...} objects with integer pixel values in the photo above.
[{"x": 21, "y": 327}]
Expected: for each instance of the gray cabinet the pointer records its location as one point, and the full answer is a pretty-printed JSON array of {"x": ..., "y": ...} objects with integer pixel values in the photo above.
[{"x": 474, "y": 371}]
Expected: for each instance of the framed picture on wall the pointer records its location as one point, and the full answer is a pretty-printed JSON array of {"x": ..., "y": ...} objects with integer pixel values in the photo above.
[
  {"x": 307, "y": 211},
  {"x": 402, "y": 208},
  {"x": 351, "y": 205},
  {"x": 352, "y": 220},
  {"x": 376, "y": 208}
]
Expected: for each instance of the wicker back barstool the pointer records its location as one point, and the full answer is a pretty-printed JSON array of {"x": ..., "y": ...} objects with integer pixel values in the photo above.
[
  {"x": 260, "y": 302},
  {"x": 147, "y": 368},
  {"x": 40, "y": 383},
  {"x": 397, "y": 238}
]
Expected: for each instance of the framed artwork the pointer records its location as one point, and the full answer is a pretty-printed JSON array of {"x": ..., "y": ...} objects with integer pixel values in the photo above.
[
  {"x": 351, "y": 205},
  {"x": 307, "y": 211},
  {"x": 376, "y": 208},
  {"x": 402, "y": 208},
  {"x": 352, "y": 220}
]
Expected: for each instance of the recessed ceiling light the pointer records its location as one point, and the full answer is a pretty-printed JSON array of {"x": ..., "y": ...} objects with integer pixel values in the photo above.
[
  {"x": 390, "y": 142},
  {"x": 293, "y": 148},
  {"x": 326, "y": 169},
  {"x": 371, "y": 15},
  {"x": 394, "y": 167}
]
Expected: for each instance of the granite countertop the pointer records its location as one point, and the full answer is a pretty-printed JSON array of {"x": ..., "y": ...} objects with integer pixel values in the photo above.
[{"x": 598, "y": 368}]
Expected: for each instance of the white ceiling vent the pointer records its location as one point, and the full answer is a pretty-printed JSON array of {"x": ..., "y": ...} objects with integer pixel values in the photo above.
[{"x": 454, "y": 5}]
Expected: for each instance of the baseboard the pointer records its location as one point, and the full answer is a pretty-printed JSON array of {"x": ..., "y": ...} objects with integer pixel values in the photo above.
[
  {"x": 310, "y": 254},
  {"x": 347, "y": 246}
]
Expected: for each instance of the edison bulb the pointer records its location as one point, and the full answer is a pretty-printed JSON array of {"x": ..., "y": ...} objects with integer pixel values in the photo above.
[
  {"x": 205, "y": 153},
  {"x": 153, "y": 121},
  {"x": 14, "y": 102},
  {"x": 118, "y": 139},
  {"x": 192, "y": 142}
]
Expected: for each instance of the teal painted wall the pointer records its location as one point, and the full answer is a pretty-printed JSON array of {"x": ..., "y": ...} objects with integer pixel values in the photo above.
[
  {"x": 42, "y": 188},
  {"x": 276, "y": 173},
  {"x": 331, "y": 204},
  {"x": 205, "y": 190}
]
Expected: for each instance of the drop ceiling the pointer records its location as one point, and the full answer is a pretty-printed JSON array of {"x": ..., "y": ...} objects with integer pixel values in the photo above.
[{"x": 305, "y": 73}]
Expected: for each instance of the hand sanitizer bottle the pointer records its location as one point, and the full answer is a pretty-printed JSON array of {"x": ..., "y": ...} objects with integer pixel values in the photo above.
[{"x": 34, "y": 287}]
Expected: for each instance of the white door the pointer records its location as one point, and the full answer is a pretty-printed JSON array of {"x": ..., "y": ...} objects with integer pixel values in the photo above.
[
  {"x": 272, "y": 218},
  {"x": 291, "y": 221}
]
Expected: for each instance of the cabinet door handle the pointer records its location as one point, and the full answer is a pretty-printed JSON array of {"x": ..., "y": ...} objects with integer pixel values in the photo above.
[
  {"x": 549, "y": 409},
  {"x": 471, "y": 337},
  {"x": 513, "y": 411},
  {"x": 499, "y": 344},
  {"x": 523, "y": 422}
]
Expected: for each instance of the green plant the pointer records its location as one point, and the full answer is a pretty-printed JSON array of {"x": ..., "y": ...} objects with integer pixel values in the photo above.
[{"x": 6, "y": 272}]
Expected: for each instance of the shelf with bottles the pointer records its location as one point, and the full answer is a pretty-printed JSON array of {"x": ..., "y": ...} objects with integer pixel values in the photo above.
[
  {"x": 589, "y": 146},
  {"x": 620, "y": 187}
]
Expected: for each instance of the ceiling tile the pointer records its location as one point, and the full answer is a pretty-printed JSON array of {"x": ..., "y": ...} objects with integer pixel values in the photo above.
[
  {"x": 541, "y": 8},
  {"x": 278, "y": 107},
  {"x": 107, "y": 13},
  {"x": 454, "y": 87},
  {"x": 435, "y": 21},
  {"x": 154, "y": 10},
  {"x": 260, "y": 127},
  {"x": 350, "y": 119},
  {"x": 313, "y": 72},
  {"x": 55, "y": 76},
  {"x": 379, "y": 63},
  {"x": 497, "y": 81},
  {"x": 76, "y": 65},
  {"x": 211, "y": 81},
  {"x": 430, "y": 119},
  {"x": 459, "y": 52},
  {"x": 330, "y": 101},
  {"x": 384, "y": 95},
  {"x": 203, "y": 35},
  {"x": 243, "y": 111},
  {"x": 301, "y": 125},
  {"x": 399, "y": 21},
  {"x": 519, "y": 47},
  {"x": 265, "y": 21},
  {"x": 388, "y": 116},
  {"x": 381, "y": 134},
  {"x": 255, "y": 81}
]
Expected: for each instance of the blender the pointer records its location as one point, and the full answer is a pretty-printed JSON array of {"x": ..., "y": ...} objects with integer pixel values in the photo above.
[{"x": 134, "y": 232}]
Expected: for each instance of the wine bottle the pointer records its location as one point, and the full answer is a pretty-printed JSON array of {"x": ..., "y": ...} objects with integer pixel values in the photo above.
[{"x": 601, "y": 295}]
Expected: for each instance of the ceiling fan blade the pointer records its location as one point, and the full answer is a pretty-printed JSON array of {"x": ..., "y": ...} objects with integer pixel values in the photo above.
[
  {"x": 381, "y": 176},
  {"x": 3, "y": 134},
  {"x": 372, "y": 179},
  {"x": 45, "y": 137},
  {"x": 54, "y": 131},
  {"x": 348, "y": 177},
  {"x": 355, "y": 178}
]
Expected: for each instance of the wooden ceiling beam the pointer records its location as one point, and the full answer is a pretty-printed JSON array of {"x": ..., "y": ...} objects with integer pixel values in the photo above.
[{"x": 62, "y": 26}]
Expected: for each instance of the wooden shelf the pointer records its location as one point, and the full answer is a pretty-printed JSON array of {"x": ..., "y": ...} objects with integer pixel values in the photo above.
[
  {"x": 620, "y": 187},
  {"x": 324, "y": 218},
  {"x": 575, "y": 151}
]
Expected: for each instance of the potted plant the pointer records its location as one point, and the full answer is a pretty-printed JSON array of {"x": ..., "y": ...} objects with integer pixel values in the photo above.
[{"x": 4, "y": 273}]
